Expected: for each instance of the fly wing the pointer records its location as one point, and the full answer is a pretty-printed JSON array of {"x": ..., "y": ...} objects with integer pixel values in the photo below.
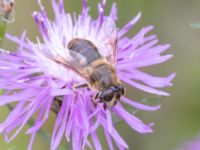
[
  {"x": 9, "y": 17},
  {"x": 6, "y": 10},
  {"x": 110, "y": 37},
  {"x": 69, "y": 59},
  {"x": 8, "y": 1}
]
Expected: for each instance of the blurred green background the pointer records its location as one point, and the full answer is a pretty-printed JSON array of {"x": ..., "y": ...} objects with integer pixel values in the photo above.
[{"x": 178, "y": 120}]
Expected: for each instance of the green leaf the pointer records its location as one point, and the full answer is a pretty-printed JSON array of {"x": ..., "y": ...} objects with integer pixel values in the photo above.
[{"x": 2, "y": 30}]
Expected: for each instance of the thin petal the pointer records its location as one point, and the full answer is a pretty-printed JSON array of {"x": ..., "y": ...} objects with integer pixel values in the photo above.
[
  {"x": 60, "y": 125},
  {"x": 129, "y": 25},
  {"x": 47, "y": 107},
  {"x": 143, "y": 87},
  {"x": 115, "y": 135},
  {"x": 109, "y": 120},
  {"x": 113, "y": 12},
  {"x": 132, "y": 121},
  {"x": 139, "y": 105},
  {"x": 96, "y": 141},
  {"x": 157, "y": 82},
  {"x": 108, "y": 139},
  {"x": 35, "y": 132}
]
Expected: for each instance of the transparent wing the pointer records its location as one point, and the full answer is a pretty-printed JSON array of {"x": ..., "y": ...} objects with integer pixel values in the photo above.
[
  {"x": 6, "y": 10},
  {"x": 68, "y": 58},
  {"x": 8, "y": 1},
  {"x": 9, "y": 17},
  {"x": 110, "y": 37},
  {"x": 77, "y": 60}
]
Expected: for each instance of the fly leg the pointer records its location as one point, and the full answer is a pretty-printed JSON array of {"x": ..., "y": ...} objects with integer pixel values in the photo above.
[
  {"x": 77, "y": 86},
  {"x": 105, "y": 106},
  {"x": 95, "y": 101},
  {"x": 56, "y": 104}
]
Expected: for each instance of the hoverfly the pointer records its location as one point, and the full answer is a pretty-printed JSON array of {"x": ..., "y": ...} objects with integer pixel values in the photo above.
[
  {"x": 6, "y": 10},
  {"x": 85, "y": 59}
]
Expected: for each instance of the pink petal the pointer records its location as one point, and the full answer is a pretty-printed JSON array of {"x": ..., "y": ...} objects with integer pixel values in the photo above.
[
  {"x": 129, "y": 25},
  {"x": 144, "y": 88}
]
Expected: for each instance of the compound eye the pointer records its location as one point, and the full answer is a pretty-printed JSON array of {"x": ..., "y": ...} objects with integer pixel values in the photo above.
[
  {"x": 115, "y": 88},
  {"x": 107, "y": 95},
  {"x": 121, "y": 89}
]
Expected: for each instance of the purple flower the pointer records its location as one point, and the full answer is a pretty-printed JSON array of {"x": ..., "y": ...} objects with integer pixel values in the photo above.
[
  {"x": 34, "y": 82},
  {"x": 191, "y": 145}
]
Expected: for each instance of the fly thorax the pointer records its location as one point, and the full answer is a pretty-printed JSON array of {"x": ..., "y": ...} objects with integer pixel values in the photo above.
[{"x": 103, "y": 76}]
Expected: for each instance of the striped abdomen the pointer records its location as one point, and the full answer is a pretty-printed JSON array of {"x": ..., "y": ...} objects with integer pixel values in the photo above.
[{"x": 85, "y": 48}]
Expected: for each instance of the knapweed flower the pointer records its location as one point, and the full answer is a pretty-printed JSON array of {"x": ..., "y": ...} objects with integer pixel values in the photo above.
[
  {"x": 191, "y": 145},
  {"x": 34, "y": 82}
]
